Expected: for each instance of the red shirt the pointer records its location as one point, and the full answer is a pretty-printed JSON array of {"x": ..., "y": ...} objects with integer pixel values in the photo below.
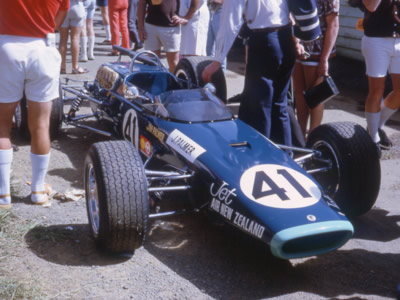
[{"x": 30, "y": 18}]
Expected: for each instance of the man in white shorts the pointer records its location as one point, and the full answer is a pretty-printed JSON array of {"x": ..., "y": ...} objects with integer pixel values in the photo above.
[
  {"x": 161, "y": 28},
  {"x": 32, "y": 64}
]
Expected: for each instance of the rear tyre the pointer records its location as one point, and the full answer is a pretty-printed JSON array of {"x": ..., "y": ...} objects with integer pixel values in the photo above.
[
  {"x": 191, "y": 68},
  {"x": 353, "y": 180},
  {"x": 117, "y": 200},
  {"x": 56, "y": 118}
]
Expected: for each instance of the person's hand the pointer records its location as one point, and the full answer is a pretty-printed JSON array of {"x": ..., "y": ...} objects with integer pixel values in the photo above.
[
  {"x": 142, "y": 34},
  {"x": 210, "y": 70},
  {"x": 323, "y": 68},
  {"x": 177, "y": 20}
]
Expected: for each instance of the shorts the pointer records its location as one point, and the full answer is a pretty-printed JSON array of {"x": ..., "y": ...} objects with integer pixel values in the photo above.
[
  {"x": 167, "y": 37},
  {"x": 31, "y": 66},
  {"x": 90, "y": 7},
  {"x": 381, "y": 55},
  {"x": 75, "y": 16},
  {"x": 102, "y": 2}
]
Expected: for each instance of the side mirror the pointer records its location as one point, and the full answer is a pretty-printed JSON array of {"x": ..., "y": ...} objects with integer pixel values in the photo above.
[{"x": 209, "y": 86}]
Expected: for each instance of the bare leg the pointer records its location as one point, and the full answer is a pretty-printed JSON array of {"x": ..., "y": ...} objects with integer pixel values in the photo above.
[
  {"x": 75, "y": 38},
  {"x": 173, "y": 59},
  {"x": 39, "y": 122},
  {"x": 62, "y": 47},
  {"x": 6, "y": 114}
]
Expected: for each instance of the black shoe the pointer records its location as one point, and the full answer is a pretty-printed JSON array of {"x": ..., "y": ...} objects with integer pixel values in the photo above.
[
  {"x": 235, "y": 99},
  {"x": 384, "y": 142},
  {"x": 378, "y": 149},
  {"x": 138, "y": 46}
]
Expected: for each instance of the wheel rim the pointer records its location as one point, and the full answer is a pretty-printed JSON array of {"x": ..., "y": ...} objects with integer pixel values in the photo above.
[
  {"x": 92, "y": 200},
  {"x": 331, "y": 178},
  {"x": 181, "y": 74}
]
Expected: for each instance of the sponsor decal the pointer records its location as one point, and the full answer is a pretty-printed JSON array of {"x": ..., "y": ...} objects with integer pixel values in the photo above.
[
  {"x": 222, "y": 198},
  {"x": 184, "y": 145},
  {"x": 130, "y": 127},
  {"x": 107, "y": 77},
  {"x": 145, "y": 146},
  {"x": 156, "y": 132},
  {"x": 279, "y": 187}
]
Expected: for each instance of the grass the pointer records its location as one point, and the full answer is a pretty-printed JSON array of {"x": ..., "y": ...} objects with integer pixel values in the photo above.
[
  {"x": 11, "y": 289},
  {"x": 12, "y": 232}
]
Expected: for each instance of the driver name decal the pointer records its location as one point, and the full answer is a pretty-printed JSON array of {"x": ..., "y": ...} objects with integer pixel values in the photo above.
[
  {"x": 184, "y": 145},
  {"x": 279, "y": 187}
]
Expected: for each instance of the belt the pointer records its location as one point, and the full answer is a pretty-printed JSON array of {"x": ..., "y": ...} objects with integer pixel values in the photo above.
[{"x": 271, "y": 29}]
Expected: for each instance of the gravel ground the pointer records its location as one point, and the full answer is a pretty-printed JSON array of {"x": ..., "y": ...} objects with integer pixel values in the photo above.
[{"x": 187, "y": 257}]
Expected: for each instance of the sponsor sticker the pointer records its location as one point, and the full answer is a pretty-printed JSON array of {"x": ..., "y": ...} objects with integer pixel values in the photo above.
[
  {"x": 145, "y": 146},
  {"x": 156, "y": 132},
  {"x": 279, "y": 187},
  {"x": 184, "y": 145},
  {"x": 223, "y": 196}
]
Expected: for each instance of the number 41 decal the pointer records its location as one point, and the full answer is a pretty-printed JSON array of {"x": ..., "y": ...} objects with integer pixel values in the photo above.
[{"x": 278, "y": 186}]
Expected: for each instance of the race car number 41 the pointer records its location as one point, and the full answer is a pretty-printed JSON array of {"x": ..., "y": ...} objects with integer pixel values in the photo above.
[{"x": 278, "y": 186}]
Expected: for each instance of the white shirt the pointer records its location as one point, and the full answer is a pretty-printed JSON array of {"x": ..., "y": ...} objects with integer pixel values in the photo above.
[{"x": 259, "y": 14}]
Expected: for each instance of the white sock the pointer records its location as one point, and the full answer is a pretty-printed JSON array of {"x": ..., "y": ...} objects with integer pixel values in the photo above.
[
  {"x": 373, "y": 125},
  {"x": 6, "y": 157},
  {"x": 386, "y": 113},
  {"x": 108, "y": 33},
  {"x": 84, "y": 41},
  {"x": 91, "y": 40},
  {"x": 40, "y": 164}
]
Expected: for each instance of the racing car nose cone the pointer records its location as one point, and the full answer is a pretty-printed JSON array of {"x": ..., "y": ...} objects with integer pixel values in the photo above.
[{"x": 311, "y": 239}]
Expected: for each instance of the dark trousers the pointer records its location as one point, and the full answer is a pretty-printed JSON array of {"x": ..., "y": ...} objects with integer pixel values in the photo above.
[{"x": 271, "y": 57}]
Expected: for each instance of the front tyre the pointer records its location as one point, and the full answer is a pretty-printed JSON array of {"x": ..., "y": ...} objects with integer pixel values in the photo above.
[
  {"x": 116, "y": 196},
  {"x": 353, "y": 179}
]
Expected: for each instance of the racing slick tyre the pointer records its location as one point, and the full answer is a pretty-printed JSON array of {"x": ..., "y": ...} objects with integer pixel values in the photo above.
[
  {"x": 190, "y": 68},
  {"x": 56, "y": 116},
  {"x": 117, "y": 200},
  {"x": 21, "y": 118},
  {"x": 354, "y": 176}
]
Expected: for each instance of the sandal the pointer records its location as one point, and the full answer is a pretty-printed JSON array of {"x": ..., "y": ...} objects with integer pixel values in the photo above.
[
  {"x": 105, "y": 42},
  {"x": 5, "y": 206},
  {"x": 46, "y": 193},
  {"x": 113, "y": 54},
  {"x": 80, "y": 71},
  {"x": 63, "y": 71}
]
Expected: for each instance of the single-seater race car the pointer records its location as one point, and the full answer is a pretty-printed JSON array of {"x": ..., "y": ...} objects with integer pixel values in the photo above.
[{"x": 173, "y": 137}]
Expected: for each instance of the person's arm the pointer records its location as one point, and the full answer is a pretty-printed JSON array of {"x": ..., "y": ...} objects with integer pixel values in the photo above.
[
  {"x": 194, "y": 6},
  {"x": 60, "y": 17},
  {"x": 371, "y": 5},
  {"x": 140, "y": 19},
  {"x": 230, "y": 24},
  {"x": 331, "y": 34}
]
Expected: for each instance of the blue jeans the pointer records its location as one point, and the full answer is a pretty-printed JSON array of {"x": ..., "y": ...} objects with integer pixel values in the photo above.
[{"x": 215, "y": 17}]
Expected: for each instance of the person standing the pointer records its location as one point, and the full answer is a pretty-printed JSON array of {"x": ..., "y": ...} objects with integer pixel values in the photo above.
[
  {"x": 132, "y": 25},
  {"x": 271, "y": 57},
  {"x": 103, "y": 4},
  {"x": 310, "y": 71},
  {"x": 87, "y": 33},
  {"x": 194, "y": 33},
  {"x": 215, "y": 9},
  {"x": 161, "y": 28},
  {"x": 72, "y": 24},
  {"x": 28, "y": 53},
  {"x": 380, "y": 46},
  {"x": 118, "y": 15}
]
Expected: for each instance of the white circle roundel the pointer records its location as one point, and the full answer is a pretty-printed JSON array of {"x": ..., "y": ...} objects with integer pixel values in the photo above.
[{"x": 278, "y": 186}]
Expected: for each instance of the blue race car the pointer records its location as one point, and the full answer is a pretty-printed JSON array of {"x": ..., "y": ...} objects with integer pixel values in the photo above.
[{"x": 173, "y": 136}]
